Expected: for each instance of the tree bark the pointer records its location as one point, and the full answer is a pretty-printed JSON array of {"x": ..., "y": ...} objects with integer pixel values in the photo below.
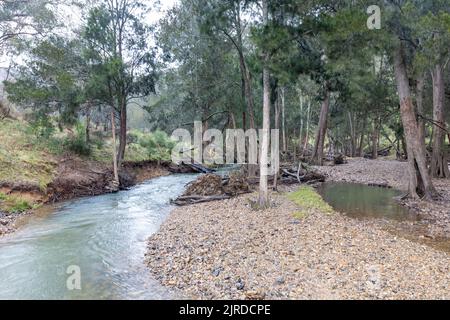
[
  {"x": 123, "y": 133},
  {"x": 375, "y": 138},
  {"x": 263, "y": 187},
  {"x": 283, "y": 119},
  {"x": 420, "y": 184},
  {"x": 419, "y": 101},
  {"x": 439, "y": 163},
  {"x": 317, "y": 156},
  {"x": 278, "y": 109},
  {"x": 308, "y": 118},
  {"x": 113, "y": 130}
]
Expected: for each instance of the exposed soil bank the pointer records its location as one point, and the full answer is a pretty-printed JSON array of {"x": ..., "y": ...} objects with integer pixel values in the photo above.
[
  {"x": 227, "y": 250},
  {"x": 395, "y": 174},
  {"x": 78, "y": 178}
]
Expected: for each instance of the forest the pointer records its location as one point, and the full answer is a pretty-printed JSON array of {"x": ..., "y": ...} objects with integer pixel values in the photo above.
[{"x": 93, "y": 93}]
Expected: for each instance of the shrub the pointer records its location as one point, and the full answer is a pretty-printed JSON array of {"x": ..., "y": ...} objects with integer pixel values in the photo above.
[
  {"x": 158, "y": 145},
  {"x": 77, "y": 143}
]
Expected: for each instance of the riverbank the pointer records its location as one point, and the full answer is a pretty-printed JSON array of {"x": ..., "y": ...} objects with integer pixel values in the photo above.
[
  {"x": 394, "y": 174},
  {"x": 226, "y": 250},
  {"x": 74, "y": 178}
]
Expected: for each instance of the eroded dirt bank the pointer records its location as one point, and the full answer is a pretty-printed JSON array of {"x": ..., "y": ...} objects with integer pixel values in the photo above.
[
  {"x": 228, "y": 250},
  {"x": 76, "y": 178}
]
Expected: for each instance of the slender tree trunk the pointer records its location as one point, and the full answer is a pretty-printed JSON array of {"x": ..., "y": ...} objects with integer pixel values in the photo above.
[
  {"x": 115, "y": 165},
  {"x": 352, "y": 134},
  {"x": 317, "y": 156},
  {"x": 375, "y": 138},
  {"x": 300, "y": 136},
  {"x": 88, "y": 126},
  {"x": 308, "y": 119},
  {"x": 439, "y": 163},
  {"x": 278, "y": 110},
  {"x": 419, "y": 101},
  {"x": 283, "y": 119},
  {"x": 420, "y": 184},
  {"x": 123, "y": 133},
  {"x": 361, "y": 139},
  {"x": 263, "y": 187}
]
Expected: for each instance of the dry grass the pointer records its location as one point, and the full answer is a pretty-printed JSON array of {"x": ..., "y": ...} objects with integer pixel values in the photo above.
[{"x": 22, "y": 158}]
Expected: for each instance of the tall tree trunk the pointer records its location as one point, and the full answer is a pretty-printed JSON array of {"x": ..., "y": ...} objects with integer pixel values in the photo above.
[
  {"x": 123, "y": 133},
  {"x": 352, "y": 134},
  {"x": 419, "y": 101},
  {"x": 375, "y": 138},
  {"x": 88, "y": 126},
  {"x": 317, "y": 156},
  {"x": 263, "y": 187},
  {"x": 283, "y": 118},
  {"x": 278, "y": 110},
  {"x": 300, "y": 136},
  {"x": 113, "y": 130},
  {"x": 420, "y": 184},
  {"x": 361, "y": 139},
  {"x": 308, "y": 119},
  {"x": 439, "y": 163}
]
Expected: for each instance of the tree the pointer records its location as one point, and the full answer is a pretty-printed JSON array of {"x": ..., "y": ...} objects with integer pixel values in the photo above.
[
  {"x": 122, "y": 62},
  {"x": 264, "y": 158},
  {"x": 50, "y": 81},
  {"x": 20, "y": 18},
  {"x": 401, "y": 42}
]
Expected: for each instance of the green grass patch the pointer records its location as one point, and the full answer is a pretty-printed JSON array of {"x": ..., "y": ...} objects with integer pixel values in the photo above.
[
  {"x": 308, "y": 201},
  {"x": 14, "y": 204}
]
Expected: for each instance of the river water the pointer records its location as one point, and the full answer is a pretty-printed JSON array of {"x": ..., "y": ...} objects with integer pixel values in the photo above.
[{"x": 104, "y": 236}]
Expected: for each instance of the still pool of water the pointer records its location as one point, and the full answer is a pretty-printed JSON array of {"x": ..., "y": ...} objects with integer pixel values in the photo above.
[
  {"x": 104, "y": 236},
  {"x": 361, "y": 201}
]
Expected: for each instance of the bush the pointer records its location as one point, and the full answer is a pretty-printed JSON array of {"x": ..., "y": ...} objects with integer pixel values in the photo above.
[
  {"x": 77, "y": 143},
  {"x": 158, "y": 145}
]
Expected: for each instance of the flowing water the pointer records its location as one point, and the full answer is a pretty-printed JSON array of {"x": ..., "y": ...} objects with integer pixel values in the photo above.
[{"x": 104, "y": 236}]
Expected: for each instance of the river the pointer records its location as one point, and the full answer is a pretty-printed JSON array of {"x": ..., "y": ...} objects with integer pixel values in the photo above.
[{"x": 103, "y": 237}]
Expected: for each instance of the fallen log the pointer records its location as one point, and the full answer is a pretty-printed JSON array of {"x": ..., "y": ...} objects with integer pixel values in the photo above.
[{"x": 187, "y": 200}]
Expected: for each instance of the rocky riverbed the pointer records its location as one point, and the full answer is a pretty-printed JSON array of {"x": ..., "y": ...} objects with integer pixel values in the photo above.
[{"x": 227, "y": 250}]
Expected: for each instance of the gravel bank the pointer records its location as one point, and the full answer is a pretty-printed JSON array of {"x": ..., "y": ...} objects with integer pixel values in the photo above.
[
  {"x": 8, "y": 222},
  {"x": 226, "y": 250}
]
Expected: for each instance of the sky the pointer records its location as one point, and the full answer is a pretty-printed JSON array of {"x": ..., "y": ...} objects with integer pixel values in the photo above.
[{"x": 72, "y": 17}]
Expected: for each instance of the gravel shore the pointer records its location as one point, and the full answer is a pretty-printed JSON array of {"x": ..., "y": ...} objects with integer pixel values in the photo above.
[
  {"x": 8, "y": 222},
  {"x": 227, "y": 250}
]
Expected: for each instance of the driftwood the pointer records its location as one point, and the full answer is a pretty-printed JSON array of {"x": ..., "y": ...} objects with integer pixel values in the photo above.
[
  {"x": 211, "y": 187},
  {"x": 186, "y": 200},
  {"x": 381, "y": 153},
  {"x": 189, "y": 168}
]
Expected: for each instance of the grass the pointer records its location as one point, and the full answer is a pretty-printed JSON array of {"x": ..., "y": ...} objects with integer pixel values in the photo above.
[
  {"x": 28, "y": 159},
  {"x": 22, "y": 157},
  {"x": 14, "y": 204},
  {"x": 308, "y": 201}
]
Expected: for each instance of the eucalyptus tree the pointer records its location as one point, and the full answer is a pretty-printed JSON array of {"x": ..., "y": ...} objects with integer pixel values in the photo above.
[
  {"x": 228, "y": 19},
  {"x": 430, "y": 23},
  {"x": 401, "y": 45},
  {"x": 121, "y": 58},
  {"x": 50, "y": 81},
  {"x": 24, "y": 18},
  {"x": 201, "y": 75}
]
